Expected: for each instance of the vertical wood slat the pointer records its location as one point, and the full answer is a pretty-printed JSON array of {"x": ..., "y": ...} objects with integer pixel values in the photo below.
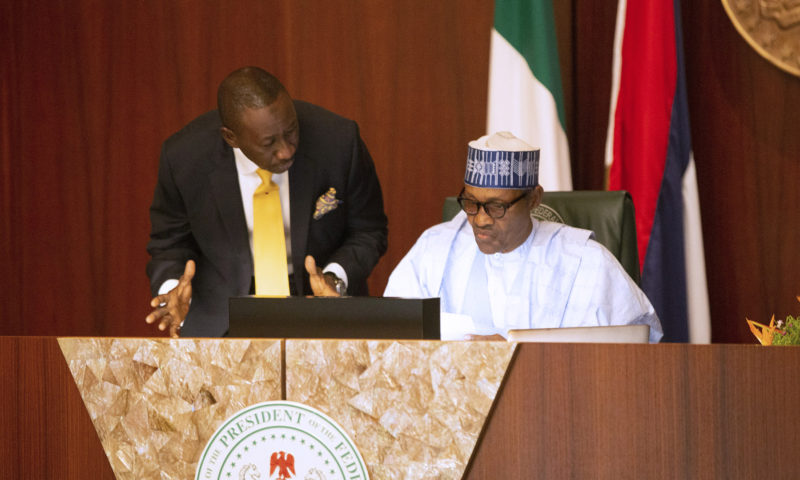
[
  {"x": 45, "y": 430},
  {"x": 10, "y": 395},
  {"x": 643, "y": 411}
]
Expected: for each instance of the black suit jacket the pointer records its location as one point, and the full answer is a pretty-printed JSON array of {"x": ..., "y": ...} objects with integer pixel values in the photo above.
[{"x": 197, "y": 213}]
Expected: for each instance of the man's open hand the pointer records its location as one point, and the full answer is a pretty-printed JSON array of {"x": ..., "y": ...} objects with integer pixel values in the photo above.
[{"x": 170, "y": 309}]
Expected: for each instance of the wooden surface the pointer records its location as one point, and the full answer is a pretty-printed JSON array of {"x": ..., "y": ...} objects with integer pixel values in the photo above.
[
  {"x": 644, "y": 411},
  {"x": 45, "y": 431},
  {"x": 745, "y": 114},
  {"x": 565, "y": 411}
]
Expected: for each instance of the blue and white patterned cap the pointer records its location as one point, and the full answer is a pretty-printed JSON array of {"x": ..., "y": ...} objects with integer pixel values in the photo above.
[{"x": 502, "y": 160}]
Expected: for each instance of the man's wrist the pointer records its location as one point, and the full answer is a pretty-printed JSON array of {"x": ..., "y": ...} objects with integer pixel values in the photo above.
[
  {"x": 337, "y": 270},
  {"x": 338, "y": 283}
]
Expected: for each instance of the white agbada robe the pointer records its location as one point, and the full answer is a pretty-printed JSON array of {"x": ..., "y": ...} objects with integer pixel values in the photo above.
[{"x": 559, "y": 277}]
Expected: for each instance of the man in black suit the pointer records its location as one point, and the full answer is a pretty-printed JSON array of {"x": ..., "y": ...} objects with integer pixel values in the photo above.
[{"x": 201, "y": 216}]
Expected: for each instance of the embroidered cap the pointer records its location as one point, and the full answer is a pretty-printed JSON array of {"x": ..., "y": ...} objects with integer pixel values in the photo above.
[{"x": 502, "y": 160}]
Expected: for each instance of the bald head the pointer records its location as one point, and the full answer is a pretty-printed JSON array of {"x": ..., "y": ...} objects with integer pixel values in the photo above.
[{"x": 247, "y": 87}]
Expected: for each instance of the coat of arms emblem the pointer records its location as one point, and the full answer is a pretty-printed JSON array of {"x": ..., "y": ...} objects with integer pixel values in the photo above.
[{"x": 289, "y": 440}]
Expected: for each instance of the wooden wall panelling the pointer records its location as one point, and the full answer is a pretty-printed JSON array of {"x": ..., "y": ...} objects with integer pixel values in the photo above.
[
  {"x": 745, "y": 113},
  {"x": 90, "y": 93}
]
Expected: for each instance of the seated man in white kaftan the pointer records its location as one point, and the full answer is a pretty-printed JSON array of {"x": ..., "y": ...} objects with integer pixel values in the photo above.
[{"x": 504, "y": 269}]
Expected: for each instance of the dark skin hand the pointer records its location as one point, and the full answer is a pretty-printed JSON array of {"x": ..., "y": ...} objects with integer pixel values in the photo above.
[
  {"x": 170, "y": 309},
  {"x": 321, "y": 285}
]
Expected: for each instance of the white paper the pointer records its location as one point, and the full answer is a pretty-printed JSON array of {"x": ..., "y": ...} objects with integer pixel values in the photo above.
[{"x": 454, "y": 326}]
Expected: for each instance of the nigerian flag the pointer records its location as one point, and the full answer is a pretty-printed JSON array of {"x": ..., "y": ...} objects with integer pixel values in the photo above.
[{"x": 525, "y": 85}]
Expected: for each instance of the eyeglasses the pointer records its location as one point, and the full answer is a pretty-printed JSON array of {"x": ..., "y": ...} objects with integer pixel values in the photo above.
[{"x": 494, "y": 209}]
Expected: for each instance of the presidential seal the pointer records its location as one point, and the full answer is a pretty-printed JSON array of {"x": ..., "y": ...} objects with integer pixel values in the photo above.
[
  {"x": 771, "y": 27},
  {"x": 280, "y": 440}
]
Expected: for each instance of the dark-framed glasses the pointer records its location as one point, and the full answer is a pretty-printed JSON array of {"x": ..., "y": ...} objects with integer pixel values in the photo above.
[{"x": 494, "y": 209}]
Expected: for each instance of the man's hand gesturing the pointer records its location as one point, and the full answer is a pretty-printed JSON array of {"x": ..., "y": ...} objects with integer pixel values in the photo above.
[
  {"x": 321, "y": 285},
  {"x": 170, "y": 309}
]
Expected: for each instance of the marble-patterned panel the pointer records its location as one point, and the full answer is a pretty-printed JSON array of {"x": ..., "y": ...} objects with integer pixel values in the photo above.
[
  {"x": 414, "y": 408},
  {"x": 155, "y": 402}
]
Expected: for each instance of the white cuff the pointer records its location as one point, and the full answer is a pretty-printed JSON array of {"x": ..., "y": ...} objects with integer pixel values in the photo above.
[
  {"x": 168, "y": 285},
  {"x": 337, "y": 270}
]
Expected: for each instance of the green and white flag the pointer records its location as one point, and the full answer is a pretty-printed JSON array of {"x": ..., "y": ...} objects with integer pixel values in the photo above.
[{"x": 525, "y": 85}]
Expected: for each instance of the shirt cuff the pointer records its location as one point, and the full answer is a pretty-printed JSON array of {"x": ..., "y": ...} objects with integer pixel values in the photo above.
[
  {"x": 167, "y": 286},
  {"x": 337, "y": 270}
]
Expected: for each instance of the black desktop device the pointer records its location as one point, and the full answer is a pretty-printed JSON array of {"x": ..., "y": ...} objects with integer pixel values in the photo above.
[{"x": 332, "y": 317}]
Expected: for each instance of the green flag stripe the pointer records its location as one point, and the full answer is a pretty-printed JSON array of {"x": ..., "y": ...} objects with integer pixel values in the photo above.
[{"x": 528, "y": 25}]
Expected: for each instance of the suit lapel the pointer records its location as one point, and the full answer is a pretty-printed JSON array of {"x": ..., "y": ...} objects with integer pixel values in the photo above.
[
  {"x": 302, "y": 178},
  {"x": 224, "y": 181}
]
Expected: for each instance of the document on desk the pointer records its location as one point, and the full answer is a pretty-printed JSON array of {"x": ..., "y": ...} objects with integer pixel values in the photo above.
[{"x": 454, "y": 326}]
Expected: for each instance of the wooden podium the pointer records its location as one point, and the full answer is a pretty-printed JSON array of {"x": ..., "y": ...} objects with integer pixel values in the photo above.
[{"x": 562, "y": 411}]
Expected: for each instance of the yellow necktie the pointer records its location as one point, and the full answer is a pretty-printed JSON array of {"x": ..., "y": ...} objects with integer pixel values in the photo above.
[{"x": 269, "y": 241}]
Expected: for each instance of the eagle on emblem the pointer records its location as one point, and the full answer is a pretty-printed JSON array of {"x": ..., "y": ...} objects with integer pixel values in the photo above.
[{"x": 284, "y": 462}]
